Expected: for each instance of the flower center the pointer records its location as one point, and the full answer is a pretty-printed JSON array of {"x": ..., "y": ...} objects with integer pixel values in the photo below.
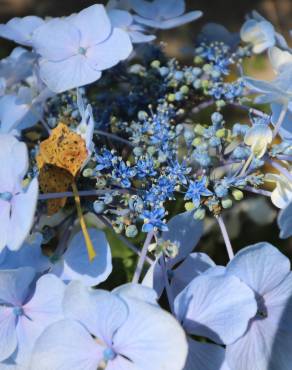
[
  {"x": 262, "y": 312},
  {"x": 18, "y": 311},
  {"x": 109, "y": 354},
  {"x": 7, "y": 196},
  {"x": 82, "y": 50}
]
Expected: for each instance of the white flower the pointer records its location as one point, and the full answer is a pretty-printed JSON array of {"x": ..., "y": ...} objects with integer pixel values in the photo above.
[{"x": 282, "y": 194}]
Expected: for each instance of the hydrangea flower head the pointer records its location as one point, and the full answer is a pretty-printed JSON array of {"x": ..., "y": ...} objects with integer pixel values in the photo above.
[{"x": 75, "y": 50}]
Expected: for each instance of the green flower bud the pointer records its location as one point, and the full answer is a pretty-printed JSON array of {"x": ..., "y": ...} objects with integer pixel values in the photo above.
[
  {"x": 171, "y": 97},
  {"x": 199, "y": 214},
  {"x": 184, "y": 89},
  {"x": 88, "y": 172},
  {"x": 155, "y": 64},
  {"x": 197, "y": 141},
  {"x": 226, "y": 203},
  {"x": 131, "y": 231},
  {"x": 189, "y": 206},
  {"x": 237, "y": 194},
  {"x": 199, "y": 129}
]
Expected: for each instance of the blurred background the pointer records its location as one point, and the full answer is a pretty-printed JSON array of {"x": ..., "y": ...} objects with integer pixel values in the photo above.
[{"x": 250, "y": 221}]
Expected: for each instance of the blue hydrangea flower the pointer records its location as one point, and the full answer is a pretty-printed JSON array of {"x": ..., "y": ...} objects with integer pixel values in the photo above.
[
  {"x": 17, "y": 206},
  {"x": 122, "y": 330},
  {"x": 81, "y": 46},
  {"x": 197, "y": 189},
  {"x": 265, "y": 342},
  {"x": 105, "y": 160},
  {"x": 163, "y": 15},
  {"x": 20, "y": 30},
  {"x": 178, "y": 171},
  {"x": 25, "y": 312},
  {"x": 145, "y": 168},
  {"x": 153, "y": 219},
  {"x": 122, "y": 173}
]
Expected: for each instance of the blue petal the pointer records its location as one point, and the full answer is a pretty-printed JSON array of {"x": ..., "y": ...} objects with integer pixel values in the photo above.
[{"x": 76, "y": 265}]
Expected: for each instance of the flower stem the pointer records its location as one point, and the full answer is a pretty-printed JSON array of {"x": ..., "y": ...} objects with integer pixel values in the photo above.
[
  {"x": 225, "y": 237},
  {"x": 82, "y": 193},
  {"x": 89, "y": 245},
  {"x": 124, "y": 240},
  {"x": 142, "y": 257},
  {"x": 266, "y": 193},
  {"x": 113, "y": 137}
]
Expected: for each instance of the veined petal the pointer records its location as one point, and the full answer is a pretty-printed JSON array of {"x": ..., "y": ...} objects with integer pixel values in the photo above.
[
  {"x": 216, "y": 307},
  {"x": 68, "y": 74},
  {"x": 101, "y": 312},
  {"x": 66, "y": 345},
  {"x": 8, "y": 337},
  {"x": 261, "y": 266},
  {"x": 110, "y": 52},
  {"x": 56, "y": 40},
  {"x": 22, "y": 216},
  {"x": 145, "y": 337},
  {"x": 93, "y": 24}
]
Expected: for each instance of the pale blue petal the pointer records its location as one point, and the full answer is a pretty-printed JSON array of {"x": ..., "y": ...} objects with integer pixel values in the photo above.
[
  {"x": 76, "y": 264},
  {"x": 261, "y": 266},
  {"x": 66, "y": 345},
  {"x": 110, "y": 52},
  {"x": 184, "y": 230},
  {"x": 154, "y": 278},
  {"x": 68, "y": 74},
  {"x": 170, "y": 23},
  {"x": 205, "y": 356},
  {"x": 285, "y": 221},
  {"x": 120, "y": 18},
  {"x": 94, "y": 25},
  {"x": 171, "y": 8},
  {"x": 216, "y": 307},
  {"x": 29, "y": 255},
  {"x": 20, "y": 30},
  {"x": 146, "y": 9},
  {"x": 194, "y": 265},
  {"x": 151, "y": 335},
  {"x": 15, "y": 285},
  {"x": 44, "y": 308},
  {"x": 137, "y": 291},
  {"x": 8, "y": 337},
  {"x": 56, "y": 40},
  {"x": 286, "y": 127},
  {"x": 139, "y": 37},
  {"x": 101, "y": 312},
  {"x": 121, "y": 363},
  {"x": 23, "y": 208}
]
